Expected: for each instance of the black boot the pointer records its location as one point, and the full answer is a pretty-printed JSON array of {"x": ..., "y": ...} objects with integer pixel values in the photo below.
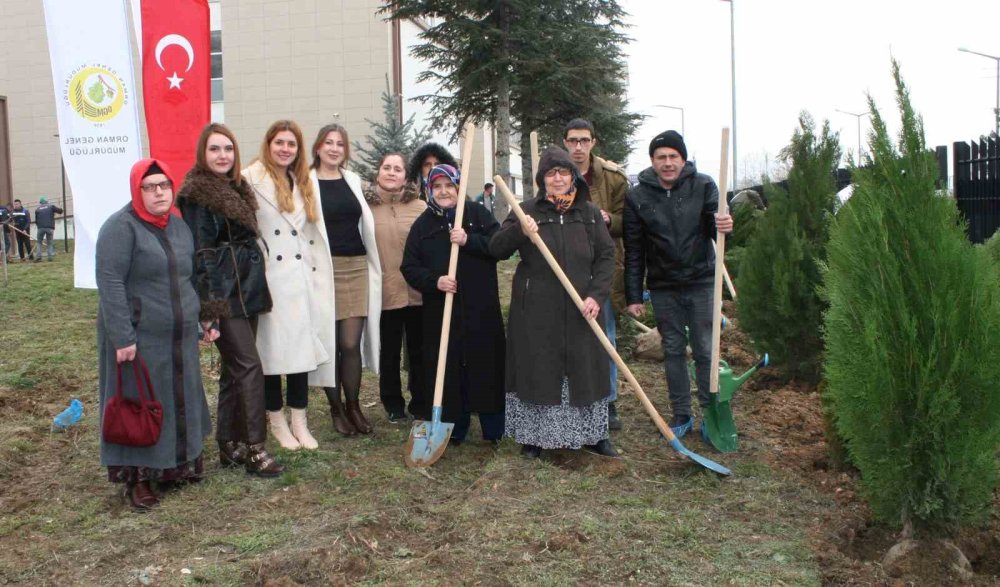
[
  {"x": 603, "y": 448},
  {"x": 530, "y": 451},
  {"x": 614, "y": 422}
]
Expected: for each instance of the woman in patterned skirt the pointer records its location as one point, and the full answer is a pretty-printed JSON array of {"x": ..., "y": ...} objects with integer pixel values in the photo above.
[{"x": 557, "y": 371}]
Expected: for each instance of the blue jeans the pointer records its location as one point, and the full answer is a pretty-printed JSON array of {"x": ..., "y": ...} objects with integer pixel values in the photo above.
[
  {"x": 46, "y": 233},
  {"x": 676, "y": 309},
  {"x": 611, "y": 330}
]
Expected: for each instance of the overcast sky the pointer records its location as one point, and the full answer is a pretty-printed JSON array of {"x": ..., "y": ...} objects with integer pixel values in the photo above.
[{"x": 819, "y": 56}]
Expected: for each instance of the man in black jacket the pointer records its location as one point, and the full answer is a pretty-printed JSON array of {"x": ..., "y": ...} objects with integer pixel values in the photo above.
[
  {"x": 45, "y": 226},
  {"x": 670, "y": 220},
  {"x": 22, "y": 224}
]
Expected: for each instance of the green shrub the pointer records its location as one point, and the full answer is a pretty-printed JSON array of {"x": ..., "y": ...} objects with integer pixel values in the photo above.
[
  {"x": 745, "y": 219},
  {"x": 779, "y": 273},
  {"x": 912, "y": 339}
]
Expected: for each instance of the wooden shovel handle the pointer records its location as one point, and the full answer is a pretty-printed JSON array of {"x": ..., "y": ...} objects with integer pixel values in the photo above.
[
  {"x": 720, "y": 266},
  {"x": 536, "y": 239},
  {"x": 449, "y": 298},
  {"x": 533, "y": 139}
]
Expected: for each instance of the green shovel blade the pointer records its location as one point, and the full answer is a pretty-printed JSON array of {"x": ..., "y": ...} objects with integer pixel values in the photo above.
[{"x": 718, "y": 427}]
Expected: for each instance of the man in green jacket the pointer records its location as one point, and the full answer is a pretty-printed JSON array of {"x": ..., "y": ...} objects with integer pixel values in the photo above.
[{"x": 608, "y": 185}]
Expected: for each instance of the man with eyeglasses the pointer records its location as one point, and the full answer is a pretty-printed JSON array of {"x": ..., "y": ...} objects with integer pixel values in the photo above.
[
  {"x": 671, "y": 217},
  {"x": 608, "y": 185}
]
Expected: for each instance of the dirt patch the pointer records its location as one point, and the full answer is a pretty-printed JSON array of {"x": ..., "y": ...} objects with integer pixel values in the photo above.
[
  {"x": 579, "y": 460},
  {"x": 321, "y": 566}
]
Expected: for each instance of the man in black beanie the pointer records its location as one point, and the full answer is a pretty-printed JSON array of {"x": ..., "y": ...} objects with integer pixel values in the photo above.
[{"x": 670, "y": 220}]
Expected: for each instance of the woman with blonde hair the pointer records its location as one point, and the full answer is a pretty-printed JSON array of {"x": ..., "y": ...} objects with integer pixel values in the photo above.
[
  {"x": 357, "y": 275},
  {"x": 297, "y": 337}
]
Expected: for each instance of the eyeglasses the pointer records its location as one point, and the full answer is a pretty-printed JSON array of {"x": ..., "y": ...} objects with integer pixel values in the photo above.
[
  {"x": 558, "y": 171},
  {"x": 579, "y": 141},
  {"x": 151, "y": 188}
]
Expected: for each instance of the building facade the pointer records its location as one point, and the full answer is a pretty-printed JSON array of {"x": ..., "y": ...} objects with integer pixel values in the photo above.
[{"x": 313, "y": 61}]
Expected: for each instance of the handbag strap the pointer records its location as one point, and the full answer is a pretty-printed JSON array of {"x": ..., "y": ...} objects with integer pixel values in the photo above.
[{"x": 137, "y": 364}]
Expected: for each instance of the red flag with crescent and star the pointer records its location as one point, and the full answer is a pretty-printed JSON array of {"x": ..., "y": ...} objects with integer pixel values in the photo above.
[{"x": 176, "y": 78}]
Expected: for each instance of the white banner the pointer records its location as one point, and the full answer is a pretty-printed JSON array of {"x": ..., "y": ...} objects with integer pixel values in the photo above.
[{"x": 96, "y": 106}]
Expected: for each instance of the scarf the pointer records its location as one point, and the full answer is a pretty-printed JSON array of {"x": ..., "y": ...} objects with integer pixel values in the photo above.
[
  {"x": 447, "y": 213},
  {"x": 138, "y": 170},
  {"x": 562, "y": 202}
]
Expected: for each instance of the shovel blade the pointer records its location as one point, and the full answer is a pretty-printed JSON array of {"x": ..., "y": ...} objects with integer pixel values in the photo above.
[
  {"x": 718, "y": 427},
  {"x": 708, "y": 464},
  {"x": 427, "y": 442}
]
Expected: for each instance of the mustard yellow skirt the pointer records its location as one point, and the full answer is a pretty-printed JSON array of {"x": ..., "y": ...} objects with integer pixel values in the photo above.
[{"x": 350, "y": 286}]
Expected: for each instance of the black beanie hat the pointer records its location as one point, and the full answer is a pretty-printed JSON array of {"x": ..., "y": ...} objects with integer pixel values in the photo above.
[
  {"x": 670, "y": 138},
  {"x": 552, "y": 158},
  {"x": 153, "y": 170}
]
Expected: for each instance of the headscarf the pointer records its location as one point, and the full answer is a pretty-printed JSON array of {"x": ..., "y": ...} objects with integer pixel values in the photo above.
[
  {"x": 453, "y": 175},
  {"x": 141, "y": 169}
]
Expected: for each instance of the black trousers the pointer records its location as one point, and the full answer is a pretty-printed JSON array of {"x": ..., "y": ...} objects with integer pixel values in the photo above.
[
  {"x": 298, "y": 391},
  {"x": 241, "y": 383},
  {"x": 393, "y": 325},
  {"x": 23, "y": 245}
]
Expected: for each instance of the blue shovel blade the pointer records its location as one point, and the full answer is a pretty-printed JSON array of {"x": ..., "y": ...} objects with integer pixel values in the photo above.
[
  {"x": 708, "y": 464},
  {"x": 428, "y": 441}
]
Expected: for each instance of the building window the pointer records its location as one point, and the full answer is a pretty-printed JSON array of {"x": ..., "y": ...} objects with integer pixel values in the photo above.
[{"x": 216, "y": 49}]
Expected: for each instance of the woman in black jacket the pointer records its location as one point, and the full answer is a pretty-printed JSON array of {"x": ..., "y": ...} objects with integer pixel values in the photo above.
[
  {"x": 557, "y": 371},
  {"x": 475, "y": 366},
  {"x": 219, "y": 207}
]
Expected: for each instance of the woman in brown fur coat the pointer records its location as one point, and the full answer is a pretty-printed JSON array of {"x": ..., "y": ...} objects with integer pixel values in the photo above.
[{"x": 220, "y": 209}]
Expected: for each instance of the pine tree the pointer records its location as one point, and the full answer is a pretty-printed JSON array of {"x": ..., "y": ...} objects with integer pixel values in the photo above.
[
  {"x": 912, "y": 339},
  {"x": 779, "y": 273},
  {"x": 493, "y": 62},
  {"x": 388, "y": 136}
]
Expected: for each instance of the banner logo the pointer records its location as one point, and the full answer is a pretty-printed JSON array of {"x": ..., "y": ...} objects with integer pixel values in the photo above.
[{"x": 96, "y": 93}]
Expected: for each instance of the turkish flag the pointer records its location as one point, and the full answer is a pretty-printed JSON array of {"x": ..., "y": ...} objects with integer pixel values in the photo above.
[{"x": 176, "y": 78}]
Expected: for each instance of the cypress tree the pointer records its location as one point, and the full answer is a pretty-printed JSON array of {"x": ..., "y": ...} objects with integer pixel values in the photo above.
[
  {"x": 912, "y": 339},
  {"x": 779, "y": 305}
]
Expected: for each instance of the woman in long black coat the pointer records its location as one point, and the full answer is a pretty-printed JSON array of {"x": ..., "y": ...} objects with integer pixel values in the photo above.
[
  {"x": 474, "y": 379},
  {"x": 557, "y": 371}
]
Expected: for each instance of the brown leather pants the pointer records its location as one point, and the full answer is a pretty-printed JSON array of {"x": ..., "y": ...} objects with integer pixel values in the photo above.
[{"x": 241, "y": 383}]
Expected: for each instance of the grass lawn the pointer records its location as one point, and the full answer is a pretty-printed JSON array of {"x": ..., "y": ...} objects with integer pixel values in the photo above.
[{"x": 352, "y": 513}]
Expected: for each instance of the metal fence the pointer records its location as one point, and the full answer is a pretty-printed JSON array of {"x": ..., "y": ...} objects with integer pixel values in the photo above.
[{"x": 976, "y": 168}]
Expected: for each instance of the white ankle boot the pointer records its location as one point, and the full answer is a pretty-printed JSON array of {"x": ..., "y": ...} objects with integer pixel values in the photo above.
[
  {"x": 301, "y": 430},
  {"x": 279, "y": 430}
]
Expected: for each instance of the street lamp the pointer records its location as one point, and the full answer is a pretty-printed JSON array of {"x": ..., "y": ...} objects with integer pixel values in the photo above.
[
  {"x": 996, "y": 110},
  {"x": 732, "y": 49},
  {"x": 857, "y": 115},
  {"x": 674, "y": 108}
]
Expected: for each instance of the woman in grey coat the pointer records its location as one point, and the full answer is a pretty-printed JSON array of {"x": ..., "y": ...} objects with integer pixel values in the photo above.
[{"x": 148, "y": 308}]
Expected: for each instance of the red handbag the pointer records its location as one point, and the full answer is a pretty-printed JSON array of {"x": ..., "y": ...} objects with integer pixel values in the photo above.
[{"x": 129, "y": 422}]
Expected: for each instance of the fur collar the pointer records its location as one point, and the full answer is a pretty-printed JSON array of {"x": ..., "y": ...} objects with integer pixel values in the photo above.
[
  {"x": 373, "y": 197},
  {"x": 220, "y": 196}
]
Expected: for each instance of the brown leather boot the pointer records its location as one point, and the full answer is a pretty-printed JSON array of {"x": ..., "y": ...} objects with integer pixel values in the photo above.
[
  {"x": 357, "y": 417},
  {"x": 338, "y": 413},
  {"x": 233, "y": 453},
  {"x": 260, "y": 463},
  {"x": 142, "y": 497}
]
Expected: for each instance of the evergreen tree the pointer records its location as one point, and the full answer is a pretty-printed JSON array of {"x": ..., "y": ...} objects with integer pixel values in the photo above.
[
  {"x": 501, "y": 61},
  {"x": 388, "y": 136},
  {"x": 911, "y": 338},
  {"x": 779, "y": 273}
]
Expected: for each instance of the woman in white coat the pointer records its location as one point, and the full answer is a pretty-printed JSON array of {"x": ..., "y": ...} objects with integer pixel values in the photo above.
[
  {"x": 357, "y": 274},
  {"x": 297, "y": 337}
]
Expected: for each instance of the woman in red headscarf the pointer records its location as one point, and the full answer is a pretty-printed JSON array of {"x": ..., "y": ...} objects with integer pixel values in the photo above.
[{"x": 148, "y": 309}]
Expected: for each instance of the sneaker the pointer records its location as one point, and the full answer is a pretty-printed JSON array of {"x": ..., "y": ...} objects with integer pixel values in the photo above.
[
  {"x": 396, "y": 417},
  {"x": 681, "y": 425},
  {"x": 614, "y": 422},
  {"x": 603, "y": 448}
]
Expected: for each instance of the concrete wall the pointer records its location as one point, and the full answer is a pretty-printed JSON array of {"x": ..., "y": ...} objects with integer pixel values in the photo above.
[{"x": 314, "y": 61}]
